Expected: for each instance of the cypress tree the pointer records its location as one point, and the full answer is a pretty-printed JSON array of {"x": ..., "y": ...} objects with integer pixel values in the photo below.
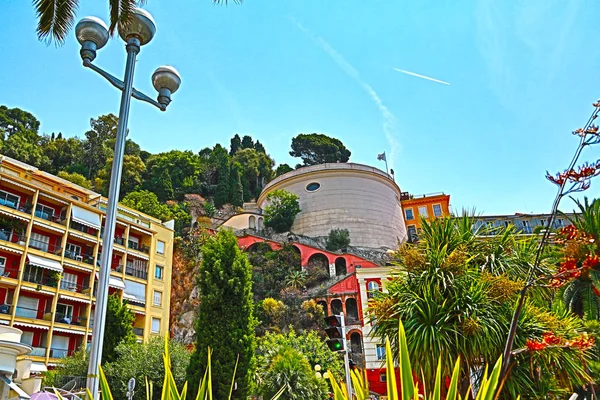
[
  {"x": 222, "y": 195},
  {"x": 225, "y": 320},
  {"x": 236, "y": 189}
]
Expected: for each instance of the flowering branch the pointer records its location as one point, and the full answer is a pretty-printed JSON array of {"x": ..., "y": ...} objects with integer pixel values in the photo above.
[{"x": 578, "y": 180}]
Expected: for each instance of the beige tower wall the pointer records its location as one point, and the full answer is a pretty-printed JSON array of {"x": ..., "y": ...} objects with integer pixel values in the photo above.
[{"x": 357, "y": 197}]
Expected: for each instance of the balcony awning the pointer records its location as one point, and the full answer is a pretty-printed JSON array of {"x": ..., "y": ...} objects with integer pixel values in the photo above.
[
  {"x": 11, "y": 249},
  {"x": 11, "y": 214},
  {"x": 37, "y": 367},
  {"x": 85, "y": 217},
  {"x": 44, "y": 263},
  {"x": 132, "y": 298},
  {"x": 21, "y": 394},
  {"x": 72, "y": 298},
  {"x": 114, "y": 282},
  {"x": 33, "y": 326},
  {"x": 135, "y": 228},
  {"x": 71, "y": 331}
]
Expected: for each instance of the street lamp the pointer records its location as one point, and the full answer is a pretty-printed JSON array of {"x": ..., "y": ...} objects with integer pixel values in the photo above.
[{"x": 92, "y": 34}]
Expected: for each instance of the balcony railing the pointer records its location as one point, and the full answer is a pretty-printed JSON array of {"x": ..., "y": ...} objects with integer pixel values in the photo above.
[
  {"x": 117, "y": 267},
  {"x": 73, "y": 287},
  {"x": 139, "y": 247},
  {"x": 35, "y": 277},
  {"x": 82, "y": 228},
  {"x": 9, "y": 272},
  {"x": 16, "y": 205},
  {"x": 60, "y": 353},
  {"x": 120, "y": 240},
  {"x": 70, "y": 320},
  {"x": 26, "y": 312},
  {"x": 38, "y": 351},
  {"x": 86, "y": 258},
  {"x": 47, "y": 213},
  {"x": 136, "y": 273},
  {"x": 138, "y": 331},
  {"x": 8, "y": 236},
  {"x": 43, "y": 246}
]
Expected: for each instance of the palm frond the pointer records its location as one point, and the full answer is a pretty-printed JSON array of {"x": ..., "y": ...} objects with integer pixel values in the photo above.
[
  {"x": 55, "y": 18},
  {"x": 120, "y": 12}
]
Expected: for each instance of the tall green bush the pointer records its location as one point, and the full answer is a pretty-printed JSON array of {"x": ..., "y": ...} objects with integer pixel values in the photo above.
[
  {"x": 338, "y": 239},
  {"x": 282, "y": 210},
  {"x": 225, "y": 317}
]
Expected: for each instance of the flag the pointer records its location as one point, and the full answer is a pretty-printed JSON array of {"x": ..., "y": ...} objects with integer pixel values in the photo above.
[{"x": 381, "y": 157}]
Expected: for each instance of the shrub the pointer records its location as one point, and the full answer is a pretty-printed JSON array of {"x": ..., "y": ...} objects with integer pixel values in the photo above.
[
  {"x": 281, "y": 211},
  {"x": 338, "y": 239}
]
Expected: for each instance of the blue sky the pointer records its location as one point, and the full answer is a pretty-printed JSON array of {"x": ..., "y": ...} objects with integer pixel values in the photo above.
[{"x": 522, "y": 76}]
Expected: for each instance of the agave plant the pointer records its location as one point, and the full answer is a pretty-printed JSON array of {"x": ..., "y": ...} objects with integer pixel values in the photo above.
[{"x": 407, "y": 389}]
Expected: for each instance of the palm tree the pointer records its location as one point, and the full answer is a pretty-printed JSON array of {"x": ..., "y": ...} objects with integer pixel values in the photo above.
[
  {"x": 581, "y": 294},
  {"x": 454, "y": 291},
  {"x": 56, "y": 17}
]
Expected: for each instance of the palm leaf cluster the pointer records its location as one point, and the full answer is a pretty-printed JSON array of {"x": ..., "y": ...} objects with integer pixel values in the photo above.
[
  {"x": 454, "y": 291},
  {"x": 56, "y": 17}
]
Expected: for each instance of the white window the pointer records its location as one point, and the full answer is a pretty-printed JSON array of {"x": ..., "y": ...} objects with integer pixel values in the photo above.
[
  {"x": 380, "y": 352},
  {"x": 155, "y": 325},
  {"x": 423, "y": 211},
  {"x": 160, "y": 247},
  {"x": 526, "y": 226},
  {"x": 157, "y": 298},
  {"x": 27, "y": 307},
  {"x": 409, "y": 214},
  {"x": 437, "y": 210},
  {"x": 158, "y": 272},
  {"x": 9, "y": 200},
  {"x": 73, "y": 249},
  {"x": 2, "y": 265},
  {"x": 372, "y": 286},
  {"x": 136, "y": 290},
  {"x": 64, "y": 313},
  {"x": 40, "y": 242},
  {"x": 69, "y": 282}
]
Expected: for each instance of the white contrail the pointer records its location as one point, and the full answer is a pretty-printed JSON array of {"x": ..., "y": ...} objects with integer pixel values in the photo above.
[
  {"x": 421, "y": 76},
  {"x": 389, "y": 120}
]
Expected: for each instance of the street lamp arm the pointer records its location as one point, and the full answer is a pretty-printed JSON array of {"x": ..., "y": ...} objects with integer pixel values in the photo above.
[{"x": 119, "y": 85}]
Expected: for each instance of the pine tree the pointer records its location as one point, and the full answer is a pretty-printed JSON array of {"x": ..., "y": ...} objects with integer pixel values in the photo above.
[
  {"x": 225, "y": 320},
  {"x": 118, "y": 327},
  {"x": 236, "y": 189},
  {"x": 235, "y": 144}
]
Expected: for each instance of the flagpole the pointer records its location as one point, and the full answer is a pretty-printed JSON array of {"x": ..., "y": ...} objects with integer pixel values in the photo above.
[{"x": 386, "y": 167}]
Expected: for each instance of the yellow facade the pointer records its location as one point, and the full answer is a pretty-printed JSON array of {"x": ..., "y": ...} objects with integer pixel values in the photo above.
[{"x": 50, "y": 243}]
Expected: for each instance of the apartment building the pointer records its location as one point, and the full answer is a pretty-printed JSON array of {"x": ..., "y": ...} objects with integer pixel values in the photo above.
[
  {"x": 524, "y": 224},
  {"x": 50, "y": 247},
  {"x": 428, "y": 206}
]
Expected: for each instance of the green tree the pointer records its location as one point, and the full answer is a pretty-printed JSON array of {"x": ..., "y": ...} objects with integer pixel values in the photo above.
[
  {"x": 15, "y": 120},
  {"x": 26, "y": 148},
  {"x": 118, "y": 327},
  {"x": 225, "y": 318},
  {"x": 76, "y": 178},
  {"x": 235, "y": 144},
  {"x": 249, "y": 159},
  {"x": 131, "y": 176},
  {"x": 64, "y": 154},
  {"x": 258, "y": 146},
  {"x": 147, "y": 202},
  {"x": 316, "y": 148},
  {"x": 338, "y": 239},
  {"x": 281, "y": 210},
  {"x": 283, "y": 169},
  {"x": 173, "y": 174},
  {"x": 237, "y": 190},
  {"x": 95, "y": 146},
  {"x": 247, "y": 142}
]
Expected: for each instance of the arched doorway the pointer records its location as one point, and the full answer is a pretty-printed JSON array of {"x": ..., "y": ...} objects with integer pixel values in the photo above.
[
  {"x": 323, "y": 304},
  {"x": 319, "y": 261},
  {"x": 351, "y": 310},
  {"x": 252, "y": 222},
  {"x": 355, "y": 343},
  {"x": 260, "y": 224},
  {"x": 336, "y": 307},
  {"x": 340, "y": 266}
]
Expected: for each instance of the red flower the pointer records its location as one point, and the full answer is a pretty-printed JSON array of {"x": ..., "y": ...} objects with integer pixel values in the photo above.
[
  {"x": 533, "y": 345},
  {"x": 551, "y": 339},
  {"x": 591, "y": 261},
  {"x": 584, "y": 342}
]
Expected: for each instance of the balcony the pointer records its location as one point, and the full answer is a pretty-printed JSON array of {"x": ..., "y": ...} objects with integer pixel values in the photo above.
[
  {"x": 60, "y": 353},
  {"x": 74, "y": 287},
  {"x": 26, "y": 312},
  {"x": 119, "y": 240},
  {"x": 136, "y": 273},
  {"x": 10, "y": 201},
  {"x": 38, "y": 351},
  {"x": 47, "y": 213},
  {"x": 44, "y": 246},
  {"x": 12, "y": 273},
  {"x": 83, "y": 229},
  {"x": 139, "y": 247},
  {"x": 69, "y": 320},
  {"x": 9, "y": 236},
  {"x": 85, "y": 258},
  {"x": 138, "y": 331},
  {"x": 38, "y": 276},
  {"x": 117, "y": 267}
]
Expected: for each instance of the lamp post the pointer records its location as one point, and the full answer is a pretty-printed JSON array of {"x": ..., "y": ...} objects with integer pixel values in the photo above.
[{"x": 92, "y": 34}]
